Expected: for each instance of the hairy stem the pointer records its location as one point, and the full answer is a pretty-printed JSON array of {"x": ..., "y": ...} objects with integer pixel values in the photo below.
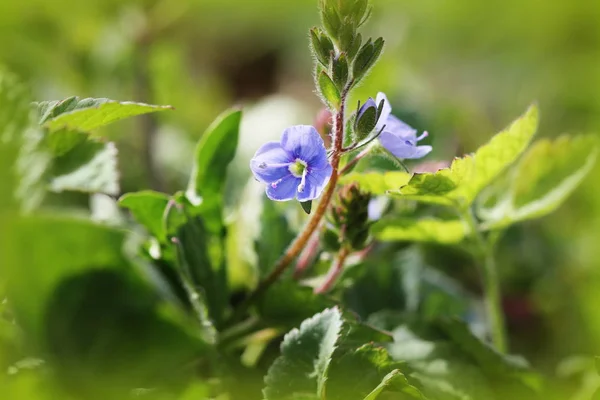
[
  {"x": 491, "y": 283},
  {"x": 307, "y": 256},
  {"x": 334, "y": 272},
  {"x": 300, "y": 242}
]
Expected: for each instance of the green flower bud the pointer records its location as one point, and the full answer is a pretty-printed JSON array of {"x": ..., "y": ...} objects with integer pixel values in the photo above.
[{"x": 350, "y": 216}]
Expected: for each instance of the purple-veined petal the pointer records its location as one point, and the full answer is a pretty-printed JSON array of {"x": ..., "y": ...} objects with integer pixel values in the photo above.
[
  {"x": 385, "y": 112},
  {"x": 421, "y": 151},
  {"x": 401, "y": 129},
  {"x": 270, "y": 162},
  {"x": 283, "y": 190},
  {"x": 316, "y": 180},
  {"x": 397, "y": 146},
  {"x": 305, "y": 143}
]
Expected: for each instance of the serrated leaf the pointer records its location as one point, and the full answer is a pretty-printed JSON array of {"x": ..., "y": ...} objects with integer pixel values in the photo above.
[
  {"x": 301, "y": 370},
  {"x": 89, "y": 167},
  {"x": 460, "y": 184},
  {"x": 377, "y": 183},
  {"x": 353, "y": 374},
  {"x": 214, "y": 152},
  {"x": 329, "y": 91},
  {"x": 86, "y": 115},
  {"x": 396, "y": 382},
  {"x": 420, "y": 230},
  {"x": 14, "y": 106},
  {"x": 548, "y": 173},
  {"x": 148, "y": 208}
]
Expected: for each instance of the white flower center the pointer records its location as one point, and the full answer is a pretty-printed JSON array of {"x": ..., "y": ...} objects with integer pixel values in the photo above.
[{"x": 299, "y": 169}]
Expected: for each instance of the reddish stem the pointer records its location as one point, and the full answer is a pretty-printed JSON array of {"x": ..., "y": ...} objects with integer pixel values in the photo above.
[{"x": 334, "y": 272}]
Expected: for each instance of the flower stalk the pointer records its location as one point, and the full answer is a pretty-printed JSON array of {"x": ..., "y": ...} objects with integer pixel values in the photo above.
[
  {"x": 491, "y": 283},
  {"x": 301, "y": 240}
]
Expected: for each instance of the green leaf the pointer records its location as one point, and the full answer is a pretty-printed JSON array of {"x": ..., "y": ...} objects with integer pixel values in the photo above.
[
  {"x": 201, "y": 260},
  {"x": 321, "y": 45},
  {"x": 306, "y": 206},
  {"x": 340, "y": 71},
  {"x": 214, "y": 152},
  {"x": 111, "y": 343},
  {"x": 353, "y": 374},
  {"x": 546, "y": 175},
  {"x": 301, "y": 370},
  {"x": 62, "y": 141},
  {"x": 63, "y": 248},
  {"x": 377, "y": 183},
  {"x": 366, "y": 58},
  {"x": 420, "y": 230},
  {"x": 395, "y": 381},
  {"x": 148, "y": 208},
  {"x": 459, "y": 185},
  {"x": 329, "y": 91},
  {"x": 288, "y": 303},
  {"x": 89, "y": 167},
  {"x": 274, "y": 237},
  {"x": 14, "y": 106},
  {"x": 490, "y": 361},
  {"x": 86, "y": 115},
  {"x": 14, "y": 122}
]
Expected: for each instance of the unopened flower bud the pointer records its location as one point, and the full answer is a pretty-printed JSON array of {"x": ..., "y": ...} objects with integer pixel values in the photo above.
[{"x": 350, "y": 216}]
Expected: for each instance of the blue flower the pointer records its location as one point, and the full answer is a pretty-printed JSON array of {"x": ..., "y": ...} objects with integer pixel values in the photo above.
[
  {"x": 397, "y": 137},
  {"x": 296, "y": 167}
]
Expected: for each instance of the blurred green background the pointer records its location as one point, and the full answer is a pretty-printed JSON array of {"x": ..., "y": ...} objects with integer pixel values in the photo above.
[{"x": 460, "y": 69}]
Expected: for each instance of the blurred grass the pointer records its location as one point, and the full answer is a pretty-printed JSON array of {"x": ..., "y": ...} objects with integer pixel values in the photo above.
[{"x": 461, "y": 70}]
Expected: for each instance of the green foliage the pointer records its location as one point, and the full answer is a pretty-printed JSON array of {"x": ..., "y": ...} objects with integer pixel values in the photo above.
[
  {"x": 86, "y": 115},
  {"x": 274, "y": 237},
  {"x": 460, "y": 184},
  {"x": 321, "y": 46},
  {"x": 81, "y": 246},
  {"x": 329, "y": 91},
  {"x": 377, "y": 183},
  {"x": 89, "y": 167},
  {"x": 301, "y": 370},
  {"x": 330, "y": 356},
  {"x": 451, "y": 363},
  {"x": 420, "y": 230},
  {"x": 148, "y": 208},
  {"x": 366, "y": 58},
  {"x": 214, "y": 152},
  {"x": 546, "y": 175}
]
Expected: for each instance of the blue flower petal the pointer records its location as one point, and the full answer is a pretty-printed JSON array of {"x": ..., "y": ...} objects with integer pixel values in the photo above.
[
  {"x": 385, "y": 113},
  {"x": 283, "y": 190},
  {"x": 401, "y": 148},
  {"x": 305, "y": 143},
  {"x": 421, "y": 151},
  {"x": 316, "y": 180},
  {"x": 401, "y": 129},
  {"x": 270, "y": 163}
]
